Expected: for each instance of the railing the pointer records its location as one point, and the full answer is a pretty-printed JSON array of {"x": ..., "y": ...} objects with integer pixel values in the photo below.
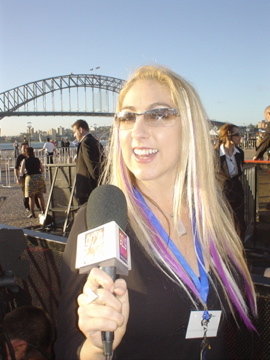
[
  {"x": 256, "y": 183},
  {"x": 7, "y": 163}
]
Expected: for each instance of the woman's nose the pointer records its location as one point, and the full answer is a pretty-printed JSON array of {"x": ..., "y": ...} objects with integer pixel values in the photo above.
[{"x": 140, "y": 128}]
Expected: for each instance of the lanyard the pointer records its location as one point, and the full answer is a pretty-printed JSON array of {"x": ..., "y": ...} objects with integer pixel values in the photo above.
[{"x": 201, "y": 283}]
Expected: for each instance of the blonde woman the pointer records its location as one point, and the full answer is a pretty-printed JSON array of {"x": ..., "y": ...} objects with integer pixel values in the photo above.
[{"x": 189, "y": 279}]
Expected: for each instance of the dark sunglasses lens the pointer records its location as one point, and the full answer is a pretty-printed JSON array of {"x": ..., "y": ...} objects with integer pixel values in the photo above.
[
  {"x": 125, "y": 119},
  {"x": 158, "y": 114},
  {"x": 151, "y": 115}
]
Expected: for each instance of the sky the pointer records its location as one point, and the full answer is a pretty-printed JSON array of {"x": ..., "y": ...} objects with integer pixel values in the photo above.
[{"x": 220, "y": 46}]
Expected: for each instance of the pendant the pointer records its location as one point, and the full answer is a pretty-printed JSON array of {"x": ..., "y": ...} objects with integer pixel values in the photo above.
[{"x": 181, "y": 230}]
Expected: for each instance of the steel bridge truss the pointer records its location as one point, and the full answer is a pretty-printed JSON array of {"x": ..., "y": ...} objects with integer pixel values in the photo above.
[{"x": 72, "y": 91}]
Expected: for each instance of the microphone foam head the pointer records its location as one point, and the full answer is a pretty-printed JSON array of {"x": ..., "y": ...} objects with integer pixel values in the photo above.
[{"x": 106, "y": 203}]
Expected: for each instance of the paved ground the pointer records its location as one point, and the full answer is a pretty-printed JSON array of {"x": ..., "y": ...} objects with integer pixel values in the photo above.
[{"x": 12, "y": 211}]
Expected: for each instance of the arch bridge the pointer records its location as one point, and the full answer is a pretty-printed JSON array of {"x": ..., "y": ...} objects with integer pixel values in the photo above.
[{"x": 73, "y": 94}]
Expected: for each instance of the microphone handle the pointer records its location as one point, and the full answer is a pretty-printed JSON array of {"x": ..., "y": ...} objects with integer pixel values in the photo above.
[{"x": 108, "y": 336}]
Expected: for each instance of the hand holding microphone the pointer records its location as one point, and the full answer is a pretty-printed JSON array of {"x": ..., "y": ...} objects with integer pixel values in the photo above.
[
  {"x": 106, "y": 245},
  {"x": 108, "y": 311}
]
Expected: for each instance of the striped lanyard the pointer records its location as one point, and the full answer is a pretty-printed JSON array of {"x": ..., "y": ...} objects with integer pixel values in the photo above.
[{"x": 201, "y": 283}]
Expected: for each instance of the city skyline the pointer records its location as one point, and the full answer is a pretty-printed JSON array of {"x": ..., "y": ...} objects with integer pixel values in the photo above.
[
  {"x": 59, "y": 131},
  {"x": 67, "y": 124}
]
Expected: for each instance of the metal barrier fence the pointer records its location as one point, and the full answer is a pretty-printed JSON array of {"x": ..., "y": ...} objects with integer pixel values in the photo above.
[
  {"x": 7, "y": 163},
  {"x": 256, "y": 183},
  {"x": 250, "y": 185}
]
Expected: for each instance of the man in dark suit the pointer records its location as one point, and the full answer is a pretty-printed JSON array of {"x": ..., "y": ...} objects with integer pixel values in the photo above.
[{"x": 88, "y": 161}]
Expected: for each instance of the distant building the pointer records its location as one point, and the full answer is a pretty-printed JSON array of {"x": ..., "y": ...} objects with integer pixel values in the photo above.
[
  {"x": 60, "y": 131},
  {"x": 262, "y": 124},
  {"x": 52, "y": 133}
]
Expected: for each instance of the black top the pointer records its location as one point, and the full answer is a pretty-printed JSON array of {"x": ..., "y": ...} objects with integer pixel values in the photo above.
[
  {"x": 233, "y": 189},
  {"x": 159, "y": 313},
  {"x": 19, "y": 160},
  {"x": 32, "y": 166}
]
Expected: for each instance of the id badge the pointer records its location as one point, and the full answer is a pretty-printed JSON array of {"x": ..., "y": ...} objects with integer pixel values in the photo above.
[{"x": 199, "y": 328}]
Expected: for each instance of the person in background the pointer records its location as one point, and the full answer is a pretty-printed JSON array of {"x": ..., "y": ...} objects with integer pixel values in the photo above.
[
  {"x": 29, "y": 334},
  {"x": 66, "y": 145},
  {"x": 25, "y": 141},
  {"x": 49, "y": 149},
  {"x": 16, "y": 149},
  {"x": 88, "y": 161},
  {"x": 34, "y": 181},
  {"x": 62, "y": 143},
  {"x": 265, "y": 143},
  {"x": 188, "y": 270},
  {"x": 231, "y": 158},
  {"x": 21, "y": 179}
]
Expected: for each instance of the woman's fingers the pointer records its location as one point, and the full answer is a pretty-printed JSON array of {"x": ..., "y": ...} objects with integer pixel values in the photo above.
[
  {"x": 103, "y": 304},
  {"x": 98, "y": 278}
]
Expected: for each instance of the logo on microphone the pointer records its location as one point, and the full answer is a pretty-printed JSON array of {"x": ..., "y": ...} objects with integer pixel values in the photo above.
[{"x": 123, "y": 246}]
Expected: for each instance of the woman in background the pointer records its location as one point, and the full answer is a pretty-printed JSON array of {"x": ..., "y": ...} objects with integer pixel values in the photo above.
[
  {"x": 34, "y": 181},
  {"x": 189, "y": 280},
  {"x": 231, "y": 158}
]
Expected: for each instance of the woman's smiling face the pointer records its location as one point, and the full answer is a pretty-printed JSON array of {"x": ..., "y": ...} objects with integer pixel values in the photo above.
[{"x": 150, "y": 153}]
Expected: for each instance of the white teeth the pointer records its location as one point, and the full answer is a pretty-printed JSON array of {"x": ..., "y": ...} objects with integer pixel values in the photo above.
[{"x": 142, "y": 152}]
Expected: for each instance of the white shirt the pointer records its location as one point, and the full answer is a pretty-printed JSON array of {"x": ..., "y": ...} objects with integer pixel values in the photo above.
[
  {"x": 49, "y": 147},
  {"x": 231, "y": 162}
]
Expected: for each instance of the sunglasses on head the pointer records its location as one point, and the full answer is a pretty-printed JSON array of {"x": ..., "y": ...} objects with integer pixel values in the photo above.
[
  {"x": 125, "y": 119},
  {"x": 236, "y": 134}
]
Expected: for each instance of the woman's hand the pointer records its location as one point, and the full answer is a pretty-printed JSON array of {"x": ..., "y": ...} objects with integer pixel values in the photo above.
[{"x": 108, "y": 312}]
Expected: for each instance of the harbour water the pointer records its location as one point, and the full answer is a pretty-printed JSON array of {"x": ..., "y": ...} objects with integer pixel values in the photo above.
[{"x": 9, "y": 146}]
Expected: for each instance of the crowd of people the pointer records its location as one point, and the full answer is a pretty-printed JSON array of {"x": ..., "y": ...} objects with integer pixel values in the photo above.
[{"x": 189, "y": 281}]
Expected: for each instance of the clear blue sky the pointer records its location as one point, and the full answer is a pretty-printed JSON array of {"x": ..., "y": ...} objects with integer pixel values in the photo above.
[{"x": 220, "y": 46}]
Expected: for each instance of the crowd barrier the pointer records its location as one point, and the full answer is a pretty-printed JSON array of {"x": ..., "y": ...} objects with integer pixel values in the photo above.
[
  {"x": 7, "y": 163},
  {"x": 43, "y": 256},
  {"x": 256, "y": 183}
]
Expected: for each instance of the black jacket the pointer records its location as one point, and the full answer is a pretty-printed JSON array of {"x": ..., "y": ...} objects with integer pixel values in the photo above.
[
  {"x": 239, "y": 157},
  {"x": 159, "y": 312},
  {"x": 88, "y": 167}
]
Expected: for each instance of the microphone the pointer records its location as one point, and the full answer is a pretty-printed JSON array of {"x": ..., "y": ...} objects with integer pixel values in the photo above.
[{"x": 105, "y": 244}]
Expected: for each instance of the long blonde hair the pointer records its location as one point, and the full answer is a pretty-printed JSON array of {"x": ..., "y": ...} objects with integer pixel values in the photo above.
[{"x": 196, "y": 183}]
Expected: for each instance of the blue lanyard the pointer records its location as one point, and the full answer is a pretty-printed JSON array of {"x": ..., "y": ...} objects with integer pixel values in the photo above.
[{"x": 202, "y": 283}]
